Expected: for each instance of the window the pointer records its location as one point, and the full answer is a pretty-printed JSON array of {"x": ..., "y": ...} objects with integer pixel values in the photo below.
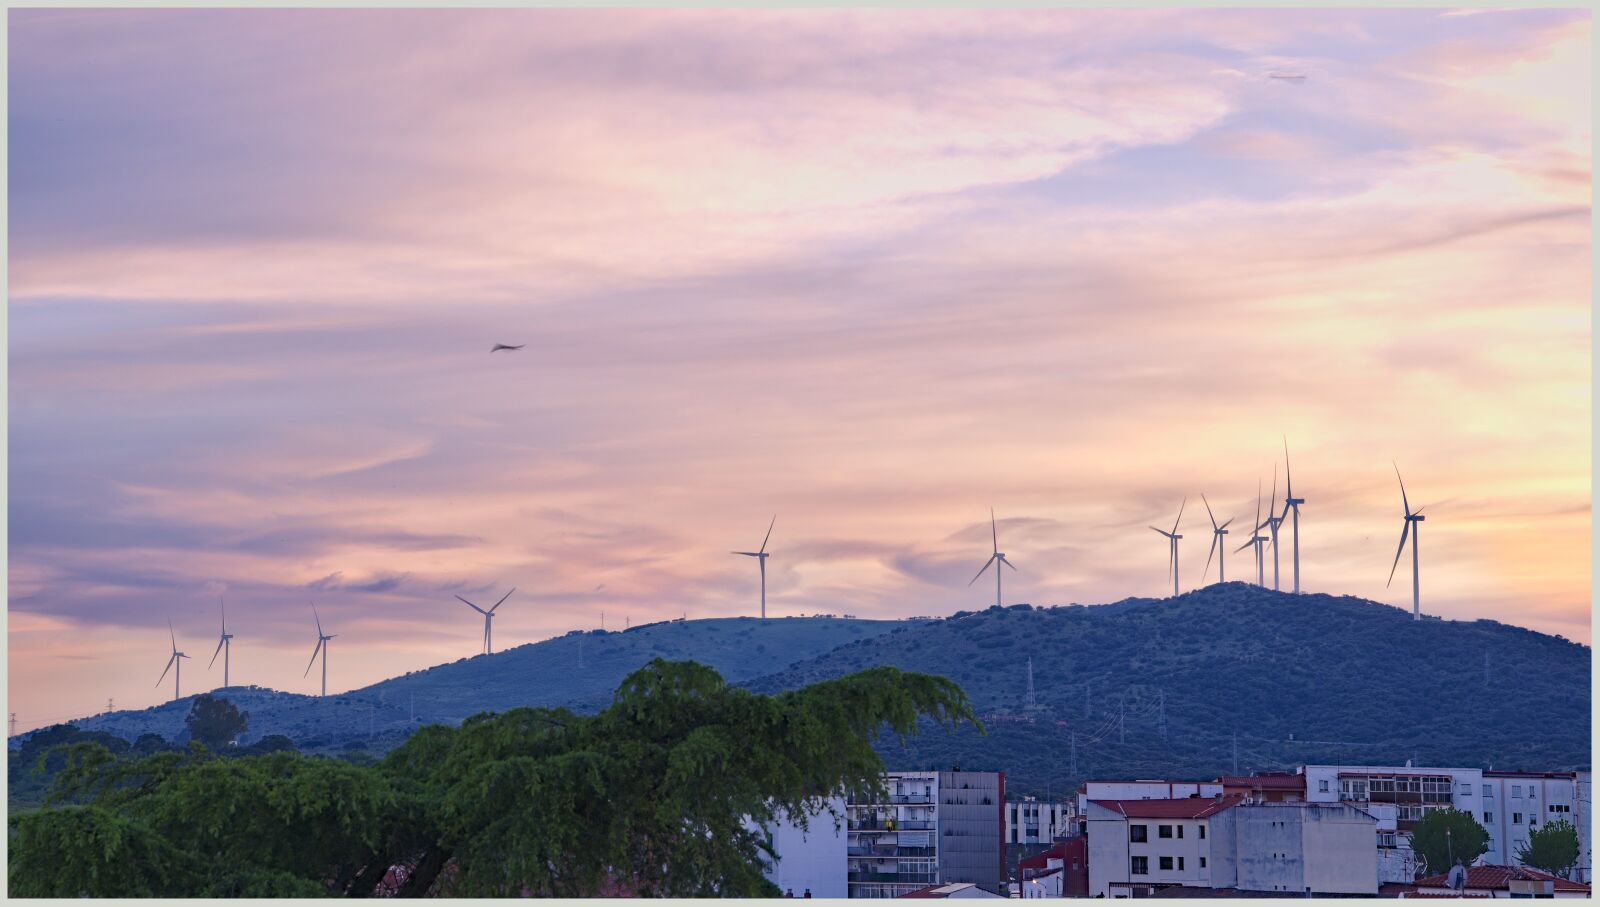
[
  {"x": 1488, "y": 791},
  {"x": 1488, "y": 817},
  {"x": 1164, "y": 831},
  {"x": 1166, "y": 863},
  {"x": 1323, "y": 785},
  {"x": 1202, "y": 862},
  {"x": 1516, "y": 792},
  {"x": 1516, "y": 818},
  {"x": 1202, "y": 832},
  {"x": 1180, "y": 831},
  {"x": 1465, "y": 789},
  {"x": 1180, "y": 864},
  {"x": 1141, "y": 866},
  {"x": 1138, "y": 834}
]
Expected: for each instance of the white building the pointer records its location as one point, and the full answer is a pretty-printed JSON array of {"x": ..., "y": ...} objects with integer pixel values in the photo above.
[
  {"x": 1397, "y": 797},
  {"x": 1515, "y": 803},
  {"x": 1138, "y": 847},
  {"x": 1031, "y": 821},
  {"x": 1144, "y": 790},
  {"x": 811, "y": 858},
  {"x": 893, "y": 846}
]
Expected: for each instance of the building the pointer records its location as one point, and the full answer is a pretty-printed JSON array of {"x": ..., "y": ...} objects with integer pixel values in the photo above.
[
  {"x": 952, "y": 890},
  {"x": 1060, "y": 872},
  {"x": 812, "y": 858},
  {"x": 1515, "y": 803},
  {"x": 1266, "y": 787},
  {"x": 1144, "y": 790},
  {"x": 1031, "y": 821},
  {"x": 931, "y": 829},
  {"x": 1498, "y": 882},
  {"x": 1137, "y": 847},
  {"x": 1397, "y": 797},
  {"x": 893, "y": 846},
  {"x": 972, "y": 828}
]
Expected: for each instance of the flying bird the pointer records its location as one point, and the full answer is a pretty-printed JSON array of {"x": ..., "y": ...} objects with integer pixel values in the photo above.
[{"x": 506, "y": 346}]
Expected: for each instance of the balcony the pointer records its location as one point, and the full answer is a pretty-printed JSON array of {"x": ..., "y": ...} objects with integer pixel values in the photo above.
[
  {"x": 910, "y": 798},
  {"x": 920, "y": 878}
]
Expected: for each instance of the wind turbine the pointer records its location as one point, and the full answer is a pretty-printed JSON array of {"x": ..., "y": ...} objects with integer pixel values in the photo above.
[
  {"x": 322, "y": 646},
  {"x": 1411, "y": 518},
  {"x": 174, "y": 660},
  {"x": 1272, "y": 523},
  {"x": 224, "y": 645},
  {"x": 1217, "y": 544},
  {"x": 761, "y": 558},
  {"x": 1256, "y": 538},
  {"x": 1173, "y": 536},
  {"x": 488, "y": 620},
  {"x": 997, "y": 556},
  {"x": 1290, "y": 502}
]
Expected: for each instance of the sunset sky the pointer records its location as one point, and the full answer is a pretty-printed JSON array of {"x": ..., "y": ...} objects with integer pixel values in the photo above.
[{"x": 871, "y": 272}]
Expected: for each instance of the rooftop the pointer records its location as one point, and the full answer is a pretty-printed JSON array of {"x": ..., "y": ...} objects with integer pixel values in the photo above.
[
  {"x": 1500, "y": 877},
  {"x": 1186, "y": 808}
]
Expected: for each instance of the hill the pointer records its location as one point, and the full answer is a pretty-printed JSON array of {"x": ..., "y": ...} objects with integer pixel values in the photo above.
[
  {"x": 548, "y": 673},
  {"x": 1174, "y": 687}
]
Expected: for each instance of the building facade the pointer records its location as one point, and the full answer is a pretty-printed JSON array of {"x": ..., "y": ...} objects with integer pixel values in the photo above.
[
  {"x": 812, "y": 858},
  {"x": 1516, "y": 803},
  {"x": 972, "y": 829},
  {"x": 1031, "y": 821},
  {"x": 930, "y": 829}
]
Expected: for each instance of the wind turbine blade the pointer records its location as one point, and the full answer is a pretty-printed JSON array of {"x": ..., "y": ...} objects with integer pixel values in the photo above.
[
  {"x": 1288, "y": 477},
  {"x": 994, "y": 532},
  {"x": 769, "y": 532},
  {"x": 320, "y": 641},
  {"x": 1209, "y": 513},
  {"x": 1244, "y": 546},
  {"x": 214, "y": 654},
  {"x": 172, "y": 634},
  {"x": 167, "y": 668},
  {"x": 1258, "y": 504},
  {"x": 985, "y": 568},
  {"x": 1225, "y": 525},
  {"x": 1419, "y": 510},
  {"x": 1274, "y": 495},
  {"x": 1007, "y": 563},
  {"x": 1209, "y": 555},
  {"x": 1403, "y": 502},
  {"x": 318, "y": 617},
  {"x": 747, "y": 553},
  {"x": 1403, "y": 533},
  {"x": 1162, "y": 531},
  {"x": 224, "y": 615},
  {"x": 467, "y": 603},
  {"x": 1180, "y": 516},
  {"x": 502, "y": 599}
]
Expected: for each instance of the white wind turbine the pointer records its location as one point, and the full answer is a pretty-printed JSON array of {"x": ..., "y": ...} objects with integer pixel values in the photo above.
[
  {"x": 1256, "y": 538},
  {"x": 1412, "y": 518},
  {"x": 173, "y": 661},
  {"x": 322, "y": 646},
  {"x": 1217, "y": 546},
  {"x": 1290, "y": 502},
  {"x": 488, "y": 620},
  {"x": 1272, "y": 523},
  {"x": 1173, "y": 536},
  {"x": 997, "y": 558},
  {"x": 761, "y": 558},
  {"x": 224, "y": 644}
]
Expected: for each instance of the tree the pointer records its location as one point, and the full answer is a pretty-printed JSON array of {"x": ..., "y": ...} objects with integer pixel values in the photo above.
[
  {"x": 215, "y": 722},
  {"x": 1466, "y": 839},
  {"x": 1553, "y": 848},
  {"x": 532, "y": 801}
]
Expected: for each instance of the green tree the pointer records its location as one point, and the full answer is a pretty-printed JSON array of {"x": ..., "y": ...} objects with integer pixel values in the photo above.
[
  {"x": 1446, "y": 835},
  {"x": 1553, "y": 848},
  {"x": 215, "y": 722},
  {"x": 532, "y": 801}
]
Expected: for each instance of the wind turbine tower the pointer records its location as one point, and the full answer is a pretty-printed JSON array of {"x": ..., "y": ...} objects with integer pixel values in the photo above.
[
  {"x": 1290, "y": 502},
  {"x": 1173, "y": 536},
  {"x": 488, "y": 620},
  {"x": 997, "y": 558},
  {"x": 1413, "y": 519},
  {"x": 1218, "y": 545},
  {"x": 322, "y": 646},
  {"x": 175, "y": 661},
  {"x": 1256, "y": 538},
  {"x": 761, "y": 558},
  {"x": 224, "y": 645}
]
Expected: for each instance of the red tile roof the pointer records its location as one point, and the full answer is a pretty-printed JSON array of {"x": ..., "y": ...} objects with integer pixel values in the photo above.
[
  {"x": 1271, "y": 781},
  {"x": 1498, "y": 877},
  {"x": 1186, "y": 808}
]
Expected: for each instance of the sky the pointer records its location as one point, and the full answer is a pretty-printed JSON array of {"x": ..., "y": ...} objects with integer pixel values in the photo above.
[{"x": 871, "y": 272}]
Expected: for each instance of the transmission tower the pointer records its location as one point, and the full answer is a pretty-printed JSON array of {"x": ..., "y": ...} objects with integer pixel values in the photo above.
[
  {"x": 13, "y": 724},
  {"x": 1030, "y": 703},
  {"x": 111, "y": 704}
]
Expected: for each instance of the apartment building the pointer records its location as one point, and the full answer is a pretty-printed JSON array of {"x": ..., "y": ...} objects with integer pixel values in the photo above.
[
  {"x": 1032, "y": 821},
  {"x": 1149, "y": 789},
  {"x": 810, "y": 858},
  {"x": 931, "y": 828},
  {"x": 1516, "y": 803},
  {"x": 1138, "y": 847}
]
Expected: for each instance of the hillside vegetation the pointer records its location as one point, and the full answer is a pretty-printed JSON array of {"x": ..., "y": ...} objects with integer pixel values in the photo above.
[{"x": 1282, "y": 679}]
